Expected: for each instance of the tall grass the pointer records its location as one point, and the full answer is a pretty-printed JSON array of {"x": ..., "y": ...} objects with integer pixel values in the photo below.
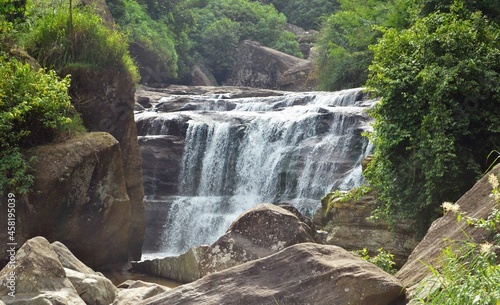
[{"x": 90, "y": 42}]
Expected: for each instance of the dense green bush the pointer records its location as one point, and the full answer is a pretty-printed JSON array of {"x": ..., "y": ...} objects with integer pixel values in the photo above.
[
  {"x": 439, "y": 115},
  {"x": 343, "y": 54},
  {"x": 383, "y": 259},
  {"x": 222, "y": 24},
  {"x": 152, "y": 35},
  {"x": 306, "y": 14},
  {"x": 88, "y": 41},
  {"x": 34, "y": 107}
]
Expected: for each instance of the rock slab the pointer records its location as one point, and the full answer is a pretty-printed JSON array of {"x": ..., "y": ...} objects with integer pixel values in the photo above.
[
  {"x": 259, "y": 232},
  {"x": 305, "y": 273},
  {"x": 476, "y": 203}
]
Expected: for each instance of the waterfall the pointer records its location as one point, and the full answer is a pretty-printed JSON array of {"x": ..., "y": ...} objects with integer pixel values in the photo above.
[{"x": 238, "y": 152}]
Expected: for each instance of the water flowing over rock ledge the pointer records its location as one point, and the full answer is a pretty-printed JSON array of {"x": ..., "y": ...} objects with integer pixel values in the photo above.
[{"x": 211, "y": 155}]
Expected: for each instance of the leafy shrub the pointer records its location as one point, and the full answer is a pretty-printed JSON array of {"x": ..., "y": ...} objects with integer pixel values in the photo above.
[
  {"x": 34, "y": 107},
  {"x": 343, "y": 53},
  {"x": 384, "y": 260},
  {"x": 154, "y": 35},
  {"x": 469, "y": 273},
  {"x": 438, "y": 118},
  {"x": 355, "y": 194},
  {"x": 87, "y": 42}
]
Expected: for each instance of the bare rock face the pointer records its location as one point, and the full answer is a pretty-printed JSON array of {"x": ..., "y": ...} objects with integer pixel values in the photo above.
[
  {"x": 262, "y": 67},
  {"x": 79, "y": 198},
  {"x": 184, "y": 268},
  {"x": 305, "y": 273},
  {"x": 348, "y": 226},
  {"x": 44, "y": 274},
  {"x": 476, "y": 203},
  {"x": 135, "y": 292},
  {"x": 39, "y": 277},
  {"x": 106, "y": 103},
  {"x": 261, "y": 231}
]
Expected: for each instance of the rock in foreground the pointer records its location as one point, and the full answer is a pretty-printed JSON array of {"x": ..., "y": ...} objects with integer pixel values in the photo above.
[
  {"x": 306, "y": 273},
  {"x": 50, "y": 274},
  {"x": 476, "y": 203},
  {"x": 259, "y": 232}
]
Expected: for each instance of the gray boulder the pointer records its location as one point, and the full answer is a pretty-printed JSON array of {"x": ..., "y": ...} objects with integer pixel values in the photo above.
[
  {"x": 259, "y": 232},
  {"x": 262, "y": 67},
  {"x": 306, "y": 273},
  {"x": 476, "y": 203},
  {"x": 39, "y": 277}
]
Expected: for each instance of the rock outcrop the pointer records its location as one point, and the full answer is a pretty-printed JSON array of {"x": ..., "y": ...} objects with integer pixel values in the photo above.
[
  {"x": 44, "y": 274},
  {"x": 476, "y": 203},
  {"x": 184, "y": 268},
  {"x": 262, "y": 67},
  {"x": 105, "y": 101},
  {"x": 306, "y": 273},
  {"x": 260, "y": 232},
  {"x": 135, "y": 292},
  {"x": 348, "y": 225},
  {"x": 79, "y": 197}
]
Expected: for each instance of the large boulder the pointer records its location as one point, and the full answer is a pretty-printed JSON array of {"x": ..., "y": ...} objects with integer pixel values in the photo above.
[
  {"x": 38, "y": 277},
  {"x": 306, "y": 273},
  {"x": 92, "y": 287},
  {"x": 476, "y": 203},
  {"x": 348, "y": 225},
  {"x": 79, "y": 197},
  {"x": 262, "y": 67},
  {"x": 184, "y": 268},
  {"x": 106, "y": 101},
  {"x": 51, "y": 274},
  {"x": 259, "y": 232}
]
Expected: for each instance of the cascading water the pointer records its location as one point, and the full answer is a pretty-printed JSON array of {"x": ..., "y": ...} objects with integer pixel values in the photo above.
[{"x": 238, "y": 152}]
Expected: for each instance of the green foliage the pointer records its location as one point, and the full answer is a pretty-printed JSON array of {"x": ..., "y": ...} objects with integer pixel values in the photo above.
[
  {"x": 343, "y": 53},
  {"x": 384, "y": 260},
  {"x": 469, "y": 275},
  {"x": 438, "y": 118},
  {"x": 222, "y": 24},
  {"x": 34, "y": 107},
  {"x": 218, "y": 42},
  {"x": 355, "y": 194},
  {"x": 306, "y": 14},
  {"x": 13, "y": 10},
  {"x": 87, "y": 42},
  {"x": 153, "y": 35}
]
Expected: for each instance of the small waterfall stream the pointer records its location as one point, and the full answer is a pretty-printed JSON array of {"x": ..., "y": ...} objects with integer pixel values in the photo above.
[{"x": 234, "y": 153}]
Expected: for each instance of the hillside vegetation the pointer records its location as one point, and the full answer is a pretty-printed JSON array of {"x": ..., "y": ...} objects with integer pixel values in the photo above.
[{"x": 434, "y": 64}]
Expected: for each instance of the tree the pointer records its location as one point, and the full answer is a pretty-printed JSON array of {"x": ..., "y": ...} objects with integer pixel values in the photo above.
[
  {"x": 439, "y": 115},
  {"x": 343, "y": 53}
]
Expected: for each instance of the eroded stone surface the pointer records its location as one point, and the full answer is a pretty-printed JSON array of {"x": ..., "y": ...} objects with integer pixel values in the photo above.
[{"x": 301, "y": 274}]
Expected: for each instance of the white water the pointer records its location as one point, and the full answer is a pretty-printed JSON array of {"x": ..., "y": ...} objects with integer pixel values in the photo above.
[{"x": 292, "y": 148}]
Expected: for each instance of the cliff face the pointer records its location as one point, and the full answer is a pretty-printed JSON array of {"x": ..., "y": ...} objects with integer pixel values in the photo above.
[
  {"x": 262, "y": 67},
  {"x": 106, "y": 102},
  {"x": 79, "y": 198}
]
